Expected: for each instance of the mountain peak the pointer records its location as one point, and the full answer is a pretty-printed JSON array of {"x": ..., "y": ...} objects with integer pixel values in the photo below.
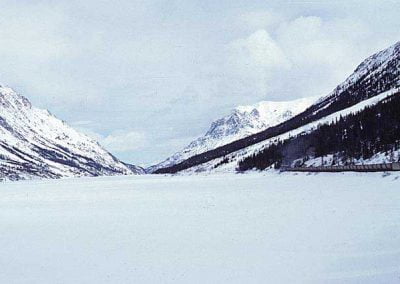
[
  {"x": 34, "y": 143},
  {"x": 243, "y": 121},
  {"x": 10, "y": 98}
]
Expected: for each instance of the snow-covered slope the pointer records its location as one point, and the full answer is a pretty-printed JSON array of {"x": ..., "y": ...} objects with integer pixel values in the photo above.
[
  {"x": 376, "y": 75},
  {"x": 242, "y": 122},
  {"x": 229, "y": 163},
  {"x": 34, "y": 143}
]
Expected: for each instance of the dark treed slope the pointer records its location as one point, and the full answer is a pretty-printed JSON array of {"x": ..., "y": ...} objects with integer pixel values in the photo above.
[
  {"x": 377, "y": 74},
  {"x": 375, "y": 129}
]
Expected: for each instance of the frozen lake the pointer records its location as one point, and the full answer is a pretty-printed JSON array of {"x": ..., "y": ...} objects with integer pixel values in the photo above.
[{"x": 253, "y": 228}]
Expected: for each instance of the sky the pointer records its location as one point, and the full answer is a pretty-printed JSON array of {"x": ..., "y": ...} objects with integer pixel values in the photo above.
[{"x": 145, "y": 78}]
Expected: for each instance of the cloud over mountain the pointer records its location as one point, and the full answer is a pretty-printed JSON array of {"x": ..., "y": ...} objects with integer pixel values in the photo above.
[{"x": 165, "y": 60}]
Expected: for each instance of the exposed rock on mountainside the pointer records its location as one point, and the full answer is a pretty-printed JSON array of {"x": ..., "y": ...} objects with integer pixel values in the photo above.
[
  {"x": 34, "y": 143},
  {"x": 242, "y": 122}
]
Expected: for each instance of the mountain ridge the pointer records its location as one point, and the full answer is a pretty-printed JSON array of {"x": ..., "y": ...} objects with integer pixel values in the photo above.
[
  {"x": 376, "y": 74},
  {"x": 243, "y": 121},
  {"x": 34, "y": 143}
]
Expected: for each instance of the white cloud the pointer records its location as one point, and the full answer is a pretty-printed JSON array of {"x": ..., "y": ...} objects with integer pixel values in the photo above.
[
  {"x": 259, "y": 50},
  {"x": 118, "y": 142},
  {"x": 309, "y": 41},
  {"x": 123, "y": 141},
  {"x": 249, "y": 65}
]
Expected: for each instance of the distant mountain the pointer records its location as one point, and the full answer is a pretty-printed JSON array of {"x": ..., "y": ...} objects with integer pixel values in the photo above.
[
  {"x": 135, "y": 169},
  {"x": 34, "y": 143},
  {"x": 242, "y": 122},
  {"x": 377, "y": 76}
]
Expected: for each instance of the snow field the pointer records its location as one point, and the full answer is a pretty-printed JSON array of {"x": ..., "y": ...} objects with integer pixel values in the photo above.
[{"x": 251, "y": 228}]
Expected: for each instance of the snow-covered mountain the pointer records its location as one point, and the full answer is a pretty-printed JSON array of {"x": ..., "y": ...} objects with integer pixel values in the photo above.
[
  {"x": 378, "y": 73},
  {"x": 231, "y": 161},
  {"x": 34, "y": 143},
  {"x": 242, "y": 122},
  {"x": 375, "y": 77}
]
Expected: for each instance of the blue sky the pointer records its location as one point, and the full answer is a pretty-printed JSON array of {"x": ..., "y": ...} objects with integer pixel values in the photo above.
[{"x": 146, "y": 77}]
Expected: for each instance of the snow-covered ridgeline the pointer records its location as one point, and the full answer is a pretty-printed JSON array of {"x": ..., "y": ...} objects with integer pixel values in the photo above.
[
  {"x": 235, "y": 157},
  {"x": 373, "y": 64},
  {"x": 34, "y": 143},
  {"x": 382, "y": 63},
  {"x": 242, "y": 122}
]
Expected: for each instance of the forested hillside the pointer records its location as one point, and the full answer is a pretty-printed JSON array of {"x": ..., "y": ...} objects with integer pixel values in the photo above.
[{"x": 361, "y": 135}]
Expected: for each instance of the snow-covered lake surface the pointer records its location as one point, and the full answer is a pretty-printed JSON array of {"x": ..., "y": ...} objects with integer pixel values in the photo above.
[{"x": 253, "y": 228}]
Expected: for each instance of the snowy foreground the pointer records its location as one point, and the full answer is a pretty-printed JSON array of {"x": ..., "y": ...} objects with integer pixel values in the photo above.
[{"x": 253, "y": 228}]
